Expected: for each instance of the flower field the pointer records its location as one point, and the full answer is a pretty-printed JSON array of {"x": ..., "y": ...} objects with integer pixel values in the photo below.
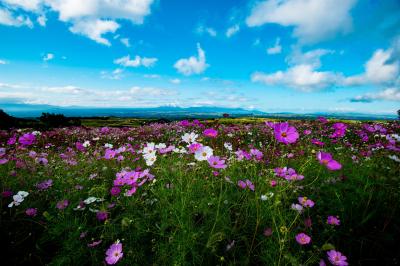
[{"x": 313, "y": 192}]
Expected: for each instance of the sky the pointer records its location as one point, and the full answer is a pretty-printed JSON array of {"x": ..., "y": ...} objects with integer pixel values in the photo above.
[{"x": 272, "y": 55}]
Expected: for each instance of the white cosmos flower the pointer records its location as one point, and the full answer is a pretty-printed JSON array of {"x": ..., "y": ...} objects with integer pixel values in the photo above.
[
  {"x": 150, "y": 148},
  {"x": 190, "y": 137},
  {"x": 18, "y": 198},
  {"x": 108, "y": 145},
  {"x": 91, "y": 200},
  {"x": 203, "y": 153},
  {"x": 160, "y": 146},
  {"x": 228, "y": 146},
  {"x": 86, "y": 144},
  {"x": 150, "y": 159}
]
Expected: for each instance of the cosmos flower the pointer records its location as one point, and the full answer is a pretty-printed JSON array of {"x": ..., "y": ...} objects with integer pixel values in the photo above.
[
  {"x": 333, "y": 220},
  {"x": 190, "y": 137},
  {"x": 32, "y": 212},
  {"x": 27, "y": 139},
  {"x": 210, "y": 132},
  {"x": 327, "y": 160},
  {"x": 61, "y": 205},
  {"x": 114, "y": 253},
  {"x": 102, "y": 215},
  {"x": 216, "y": 162},
  {"x": 203, "y": 153},
  {"x": 305, "y": 202},
  {"x": 18, "y": 198},
  {"x": 337, "y": 258},
  {"x": 285, "y": 133},
  {"x": 303, "y": 239}
]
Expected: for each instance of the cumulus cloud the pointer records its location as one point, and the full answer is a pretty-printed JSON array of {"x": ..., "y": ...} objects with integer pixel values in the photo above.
[
  {"x": 301, "y": 77},
  {"x": 232, "y": 30},
  {"x": 3, "y": 62},
  {"x": 115, "y": 74},
  {"x": 382, "y": 68},
  {"x": 389, "y": 94},
  {"x": 276, "y": 49},
  {"x": 313, "y": 20},
  {"x": 95, "y": 29},
  {"x": 9, "y": 19},
  {"x": 90, "y": 18},
  {"x": 138, "y": 61},
  {"x": 64, "y": 90},
  {"x": 193, "y": 64}
]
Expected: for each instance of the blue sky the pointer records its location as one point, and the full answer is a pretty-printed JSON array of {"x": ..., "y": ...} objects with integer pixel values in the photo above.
[{"x": 274, "y": 55}]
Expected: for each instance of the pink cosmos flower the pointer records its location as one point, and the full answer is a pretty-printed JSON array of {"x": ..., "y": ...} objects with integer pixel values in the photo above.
[
  {"x": 337, "y": 258},
  {"x": 273, "y": 183},
  {"x": 303, "y": 239},
  {"x": 210, "y": 132},
  {"x": 216, "y": 162},
  {"x": 242, "y": 184},
  {"x": 306, "y": 202},
  {"x": 194, "y": 147},
  {"x": 333, "y": 220},
  {"x": 61, "y": 205},
  {"x": 326, "y": 159},
  {"x": 31, "y": 212},
  {"x": 307, "y": 132},
  {"x": 114, "y": 253},
  {"x": 285, "y": 134}
]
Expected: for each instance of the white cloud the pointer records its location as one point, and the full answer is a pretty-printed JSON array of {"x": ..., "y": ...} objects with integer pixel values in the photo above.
[
  {"x": 64, "y": 90},
  {"x": 313, "y": 20},
  {"x": 232, "y": 30},
  {"x": 125, "y": 41},
  {"x": 42, "y": 20},
  {"x": 150, "y": 91},
  {"x": 175, "y": 81},
  {"x": 48, "y": 57},
  {"x": 136, "y": 62},
  {"x": 276, "y": 49},
  {"x": 3, "y": 62},
  {"x": 379, "y": 69},
  {"x": 9, "y": 19},
  {"x": 115, "y": 74},
  {"x": 192, "y": 65},
  {"x": 201, "y": 29},
  {"x": 301, "y": 77},
  {"x": 28, "y": 5},
  {"x": 95, "y": 29},
  {"x": 390, "y": 94},
  {"x": 151, "y": 76},
  {"x": 90, "y": 18},
  {"x": 312, "y": 57}
]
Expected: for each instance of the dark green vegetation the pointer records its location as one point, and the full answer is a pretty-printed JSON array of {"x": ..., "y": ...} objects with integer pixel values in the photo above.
[{"x": 189, "y": 215}]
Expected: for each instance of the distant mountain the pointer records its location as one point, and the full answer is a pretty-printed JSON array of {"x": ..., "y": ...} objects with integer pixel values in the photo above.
[
  {"x": 169, "y": 112},
  {"x": 31, "y": 110}
]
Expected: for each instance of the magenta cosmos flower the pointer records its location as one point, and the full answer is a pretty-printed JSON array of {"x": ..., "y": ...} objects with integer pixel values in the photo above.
[
  {"x": 327, "y": 160},
  {"x": 337, "y": 258},
  {"x": 303, "y": 239},
  {"x": 114, "y": 253},
  {"x": 216, "y": 162},
  {"x": 27, "y": 139},
  {"x": 285, "y": 134},
  {"x": 333, "y": 220},
  {"x": 31, "y": 212},
  {"x": 210, "y": 132}
]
